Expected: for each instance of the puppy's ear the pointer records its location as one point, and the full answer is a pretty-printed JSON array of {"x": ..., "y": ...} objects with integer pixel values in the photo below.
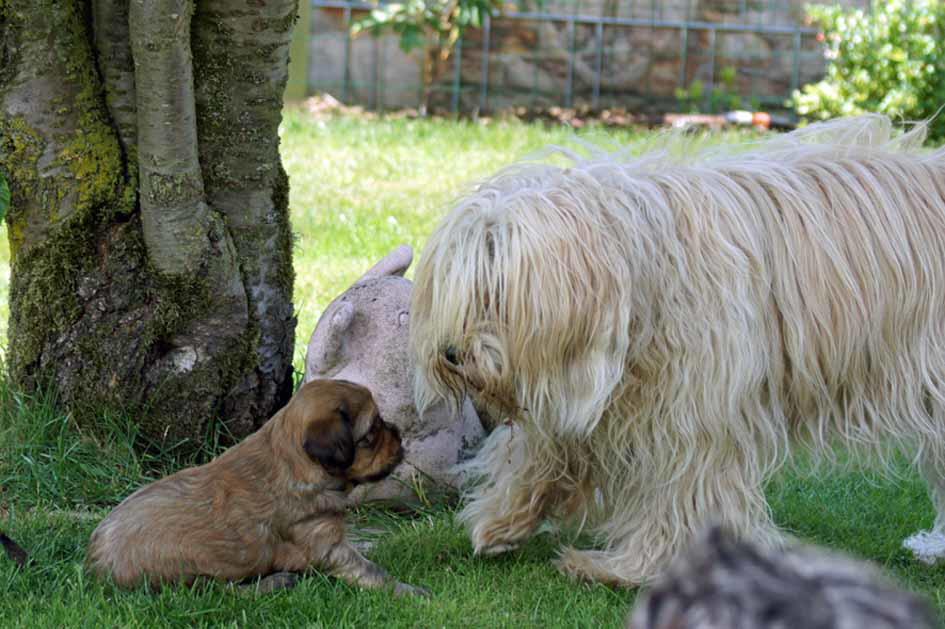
[{"x": 329, "y": 442}]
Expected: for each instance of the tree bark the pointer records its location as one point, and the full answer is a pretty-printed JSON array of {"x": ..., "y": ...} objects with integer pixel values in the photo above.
[{"x": 150, "y": 241}]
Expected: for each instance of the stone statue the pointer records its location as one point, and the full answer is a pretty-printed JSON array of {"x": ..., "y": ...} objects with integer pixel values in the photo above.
[{"x": 362, "y": 337}]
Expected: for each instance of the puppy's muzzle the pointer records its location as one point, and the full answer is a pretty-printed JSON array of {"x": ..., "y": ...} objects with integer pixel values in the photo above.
[{"x": 390, "y": 448}]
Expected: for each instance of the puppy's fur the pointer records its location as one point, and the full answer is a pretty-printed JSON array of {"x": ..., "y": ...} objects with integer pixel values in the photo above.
[
  {"x": 273, "y": 503},
  {"x": 662, "y": 331}
]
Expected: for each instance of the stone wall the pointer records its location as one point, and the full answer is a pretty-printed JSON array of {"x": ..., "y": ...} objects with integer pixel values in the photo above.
[{"x": 641, "y": 66}]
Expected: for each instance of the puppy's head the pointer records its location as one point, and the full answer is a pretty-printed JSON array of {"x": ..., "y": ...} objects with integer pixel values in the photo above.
[{"x": 340, "y": 429}]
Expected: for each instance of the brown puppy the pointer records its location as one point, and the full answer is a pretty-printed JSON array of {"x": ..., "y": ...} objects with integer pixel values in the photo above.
[{"x": 273, "y": 503}]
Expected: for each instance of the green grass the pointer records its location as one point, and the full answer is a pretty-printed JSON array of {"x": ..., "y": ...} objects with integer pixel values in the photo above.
[
  {"x": 58, "y": 482},
  {"x": 359, "y": 188}
]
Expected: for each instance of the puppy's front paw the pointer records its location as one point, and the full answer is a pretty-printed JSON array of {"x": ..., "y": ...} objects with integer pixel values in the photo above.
[
  {"x": 273, "y": 583},
  {"x": 405, "y": 589}
]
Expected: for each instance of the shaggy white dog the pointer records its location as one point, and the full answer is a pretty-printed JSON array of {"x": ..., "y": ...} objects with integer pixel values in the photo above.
[{"x": 661, "y": 331}]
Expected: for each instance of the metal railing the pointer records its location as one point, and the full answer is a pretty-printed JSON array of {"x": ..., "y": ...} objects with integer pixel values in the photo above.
[{"x": 600, "y": 24}]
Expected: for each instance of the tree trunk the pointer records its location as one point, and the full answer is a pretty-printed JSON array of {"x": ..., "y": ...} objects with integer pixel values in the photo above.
[{"x": 149, "y": 230}]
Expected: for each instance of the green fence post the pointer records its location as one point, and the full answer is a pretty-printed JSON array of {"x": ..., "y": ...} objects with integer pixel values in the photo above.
[{"x": 457, "y": 74}]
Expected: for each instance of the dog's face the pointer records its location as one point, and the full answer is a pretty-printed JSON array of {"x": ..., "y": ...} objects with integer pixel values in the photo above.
[
  {"x": 340, "y": 429},
  {"x": 476, "y": 369}
]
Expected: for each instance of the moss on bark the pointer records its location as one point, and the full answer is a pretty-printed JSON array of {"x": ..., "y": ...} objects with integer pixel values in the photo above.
[
  {"x": 89, "y": 312},
  {"x": 92, "y": 315}
]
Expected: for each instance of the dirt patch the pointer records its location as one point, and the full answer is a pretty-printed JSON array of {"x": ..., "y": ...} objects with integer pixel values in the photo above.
[{"x": 325, "y": 107}]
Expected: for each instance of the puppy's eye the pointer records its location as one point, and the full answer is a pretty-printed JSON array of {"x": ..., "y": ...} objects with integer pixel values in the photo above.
[{"x": 370, "y": 437}]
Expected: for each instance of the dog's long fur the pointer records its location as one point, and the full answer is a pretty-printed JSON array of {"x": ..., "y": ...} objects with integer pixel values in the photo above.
[
  {"x": 662, "y": 330},
  {"x": 273, "y": 503}
]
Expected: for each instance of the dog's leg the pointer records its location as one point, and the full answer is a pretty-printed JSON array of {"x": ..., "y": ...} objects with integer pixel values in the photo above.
[
  {"x": 632, "y": 561},
  {"x": 500, "y": 522},
  {"x": 661, "y": 524},
  {"x": 290, "y": 560},
  {"x": 929, "y": 546},
  {"x": 322, "y": 546},
  {"x": 345, "y": 562},
  {"x": 511, "y": 499},
  {"x": 271, "y": 583}
]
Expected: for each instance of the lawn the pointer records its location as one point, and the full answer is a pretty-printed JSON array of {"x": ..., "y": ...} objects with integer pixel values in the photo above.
[{"x": 359, "y": 188}]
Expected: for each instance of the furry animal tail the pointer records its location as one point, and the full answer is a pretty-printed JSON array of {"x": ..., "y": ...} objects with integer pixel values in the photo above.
[{"x": 13, "y": 550}]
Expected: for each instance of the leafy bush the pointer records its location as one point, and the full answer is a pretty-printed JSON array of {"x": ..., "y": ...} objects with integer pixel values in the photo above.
[
  {"x": 432, "y": 25},
  {"x": 690, "y": 98},
  {"x": 888, "y": 60},
  {"x": 417, "y": 20},
  {"x": 724, "y": 95}
]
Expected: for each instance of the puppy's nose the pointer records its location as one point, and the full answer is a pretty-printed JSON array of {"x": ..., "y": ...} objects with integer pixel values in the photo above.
[
  {"x": 399, "y": 454},
  {"x": 394, "y": 432}
]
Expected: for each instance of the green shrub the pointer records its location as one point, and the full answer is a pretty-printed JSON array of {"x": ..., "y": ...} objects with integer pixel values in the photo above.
[
  {"x": 890, "y": 60},
  {"x": 431, "y": 25},
  {"x": 723, "y": 96}
]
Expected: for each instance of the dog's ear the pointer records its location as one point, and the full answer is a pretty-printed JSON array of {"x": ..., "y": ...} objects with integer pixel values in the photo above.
[{"x": 329, "y": 442}]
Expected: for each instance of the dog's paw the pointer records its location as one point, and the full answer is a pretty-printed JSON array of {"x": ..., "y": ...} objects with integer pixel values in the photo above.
[
  {"x": 926, "y": 546},
  {"x": 593, "y": 566},
  {"x": 495, "y": 549},
  {"x": 499, "y": 536},
  {"x": 273, "y": 583},
  {"x": 405, "y": 589}
]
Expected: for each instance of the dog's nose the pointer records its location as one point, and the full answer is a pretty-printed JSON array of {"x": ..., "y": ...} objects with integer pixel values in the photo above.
[
  {"x": 399, "y": 454},
  {"x": 394, "y": 432},
  {"x": 398, "y": 442}
]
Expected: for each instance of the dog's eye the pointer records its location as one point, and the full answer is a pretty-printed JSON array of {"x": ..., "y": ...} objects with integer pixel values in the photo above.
[
  {"x": 451, "y": 355},
  {"x": 369, "y": 437}
]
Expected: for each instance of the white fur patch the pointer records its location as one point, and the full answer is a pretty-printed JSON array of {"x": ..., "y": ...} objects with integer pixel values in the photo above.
[{"x": 927, "y": 546}]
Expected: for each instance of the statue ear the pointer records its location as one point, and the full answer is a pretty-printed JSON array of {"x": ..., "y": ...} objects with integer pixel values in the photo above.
[
  {"x": 394, "y": 263},
  {"x": 325, "y": 346},
  {"x": 328, "y": 441}
]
